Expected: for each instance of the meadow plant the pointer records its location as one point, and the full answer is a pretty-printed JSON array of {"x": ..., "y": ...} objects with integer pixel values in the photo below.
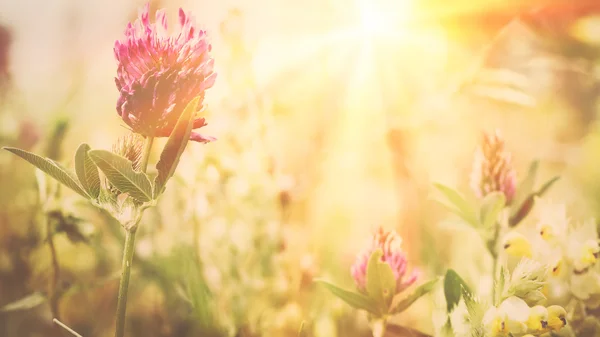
[
  {"x": 519, "y": 304},
  {"x": 545, "y": 270},
  {"x": 382, "y": 276},
  {"x": 162, "y": 79}
]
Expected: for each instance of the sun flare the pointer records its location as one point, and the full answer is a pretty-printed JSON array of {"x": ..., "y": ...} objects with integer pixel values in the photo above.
[{"x": 383, "y": 17}]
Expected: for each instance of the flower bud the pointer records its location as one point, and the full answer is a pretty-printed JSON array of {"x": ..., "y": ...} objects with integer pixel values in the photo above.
[
  {"x": 492, "y": 168},
  {"x": 390, "y": 244},
  {"x": 130, "y": 147}
]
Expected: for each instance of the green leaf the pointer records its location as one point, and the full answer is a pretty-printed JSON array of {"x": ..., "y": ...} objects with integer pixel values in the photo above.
[
  {"x": 459, "y": 205},
  {"x": 422, "y": 290},
  {"x": 51, "y": 168},
  {"x": 476, "y": 311},
  {"x": 381, "y": 283},
  {"x": 87, "y": 172},
  {"x": 491, "y": 207},
  {"x": 526, "y": 281},
  {"x": 119, "y": 171},
  {"x": 198, "y": 293},
  {"x": 525, "y": 188},
  {"x": 28, "y": 302},
  {"x": 524, "y": 209},
  {"x": 546, "y": 186},
  {"x": 169, "y": 158},
  {"x": 453, "y": 288},
  {"x": 356, "y": 300},
  {"x": 500, "y": 285},
  {"x": 447, "y": 330}
]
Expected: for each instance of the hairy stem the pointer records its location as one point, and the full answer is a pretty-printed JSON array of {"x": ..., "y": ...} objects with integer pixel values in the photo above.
[
  {"x": 146, "y": 153},
  {"x": 53, "y": 291},
  {"x": 128, "y": 253}
]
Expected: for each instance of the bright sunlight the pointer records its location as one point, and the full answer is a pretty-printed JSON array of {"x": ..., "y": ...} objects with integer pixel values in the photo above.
[{"x": 383, "y": 17}]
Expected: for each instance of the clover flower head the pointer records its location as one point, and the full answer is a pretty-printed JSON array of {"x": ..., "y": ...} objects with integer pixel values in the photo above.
[
  {"x": 159, "y": 73},
  {"x": 390, "y": 244}
]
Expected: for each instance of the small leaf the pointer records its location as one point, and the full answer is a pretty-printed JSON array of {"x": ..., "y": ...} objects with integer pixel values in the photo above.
[
  {"x": 87, "y": 172},
  {"x": 356, "y": 300},
  {"x": 447, "y": 330},
  {"x": 453, "y": 288},
  {"x": 423, "y": 289},
  {"x": 119, "y": 171},
  {"x": 525, "y": 188},
  {"x": 526, "y": 281},
  {"x": 491, "y": 207},
  {"x": 28, "y": 302},
  {"x": 51, "y": 168},
  {"x": 381, "y": 283},
  {"x": 462, "y": 207},
  {"x": 527, "y": 205},
  {"x": 169, "y": 158},
  {"x": 476, "y": 310},
  {"x": 72, "y": 226},
  {"x": 500, "y": 285},
  {"x": 546, "y": 186}
]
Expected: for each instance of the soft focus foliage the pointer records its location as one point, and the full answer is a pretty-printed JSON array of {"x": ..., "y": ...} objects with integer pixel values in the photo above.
[{"x": 330, "y": 123}]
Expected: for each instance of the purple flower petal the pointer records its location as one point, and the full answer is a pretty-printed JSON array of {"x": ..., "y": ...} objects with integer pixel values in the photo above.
[{"x": 159, "y": 73}]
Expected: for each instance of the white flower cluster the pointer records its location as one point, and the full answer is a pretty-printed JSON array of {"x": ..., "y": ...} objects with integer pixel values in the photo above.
[{"x": 569, "y": 250}]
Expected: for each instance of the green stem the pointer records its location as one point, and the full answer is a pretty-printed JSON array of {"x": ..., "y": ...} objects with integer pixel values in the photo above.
[
  {"x": 494, "y": 267},
  {"x": 379, "y": 327},
  {"x": 124, "y": 284},
  {"x": 492, "y": 248},
  {"x": 128, "y": 253},
  {"x": 53, "y": 288},
  {"x": 146, "y": 153}
]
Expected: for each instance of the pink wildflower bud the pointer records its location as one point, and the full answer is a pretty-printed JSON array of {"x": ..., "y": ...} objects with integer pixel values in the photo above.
[
  {"x": 160, "y": 73},
  {"x": 390, "y": 244},
  {"x": 492, "y": 168}
]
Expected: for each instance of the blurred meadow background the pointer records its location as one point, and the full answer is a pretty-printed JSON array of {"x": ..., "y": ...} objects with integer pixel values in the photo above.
[{"x": 333, "y": 117}]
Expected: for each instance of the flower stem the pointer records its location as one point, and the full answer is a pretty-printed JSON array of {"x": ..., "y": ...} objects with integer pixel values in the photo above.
[
  {"x": 146, "y": 153},
  {"x": 493, "y": 246},
  {"x": 53, "y": 291},
  {"x": 124, "y": 284},
  {"x": 379, "y": 327},
  {"x": 128, "y": 253},
  {"x": 64, "y": 326}
]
